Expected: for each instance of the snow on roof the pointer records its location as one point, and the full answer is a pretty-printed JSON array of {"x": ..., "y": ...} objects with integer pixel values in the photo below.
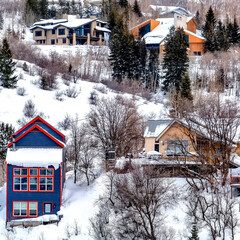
[
  {"x": 162, "y": 8},
  {"x": 77, "y": 22},
  {"x": 100, "y": 21},
  {"x": 158, "y": 34},
  {"x": 50, "y": 21},
  {"x": 165, "y": 21},
  {"x": 194, "y": 34},
  {"x": 103, "y": 29},
  {"x": 189, "y": 19},
  {"x": 156, "y": 127},
  {"x": 35, "y": 157}
]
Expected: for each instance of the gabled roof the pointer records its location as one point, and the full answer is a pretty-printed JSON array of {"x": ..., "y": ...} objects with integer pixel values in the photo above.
[
  {"x": 61, "y": 144},
  {"x": 155, "y": 127},
  {"x": 37, "y": 120}
]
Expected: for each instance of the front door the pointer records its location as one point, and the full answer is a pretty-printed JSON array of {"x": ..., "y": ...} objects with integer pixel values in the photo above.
[{"x": 47, "y": 208}]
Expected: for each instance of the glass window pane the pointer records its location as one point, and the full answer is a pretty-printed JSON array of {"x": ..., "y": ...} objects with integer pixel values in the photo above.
[
  {"x": 17, "y": 187},
  {"x": 24, "y": 205},
  {"x": 33, "y": 187},
  {"x": 16, "y": 171},
  {"x": 42, "y": 187},
  {"x": 16, "y": 212},
  {"x": 16, "y": 205},
  {"x": 49, "y": 187},
  {"x": 49, "y": 180},
  {"x": 42, "y": 180},
  {"x": 24, "y": 171},
  {"x": 23, "y": 180},
  {"x": 33, "y": 205},
  {"x": 17, "y": 180},
  {"x": 33, "y": 180},
  {"x": 43, "y": 172},
  {"x": 48, "y": 207},
  {"x": 33, "y": 172},
  {"x": 32, "y": 212},
  {"x": 23, "y": 212},
  {"x": 24, "y": 187},
  {"x": 49, "y": 172}
]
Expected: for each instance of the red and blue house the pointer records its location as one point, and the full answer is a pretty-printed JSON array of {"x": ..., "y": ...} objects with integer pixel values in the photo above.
[{"x": 35, "y": 171}]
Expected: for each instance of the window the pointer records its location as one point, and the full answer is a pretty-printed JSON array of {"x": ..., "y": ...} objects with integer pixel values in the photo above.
[
  {"x": 61, "y": 31},
  {"x": 47, "y": 208},
  {"x": 33, "y": 179},
  {"x": 53, "y": 32},
  {"x": 38, "y": 33},
  {"x": 52, "y": 41},
  {"x": 199, "y": 53},
  {"x": 33, "y": 209},
  {"x": 46, "y": 182},
  {"x": 20, "y": 179},
  {"x": 20, "y": 209},
  {"x": 195, "y": 53},
  {"x": 177, "y": 147},
  {"x": 25, "y": 209},
  {"x": 64, "y": 40}
]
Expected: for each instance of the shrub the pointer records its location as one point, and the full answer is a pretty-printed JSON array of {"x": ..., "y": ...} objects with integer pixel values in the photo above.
[
  {"x": 71, "y": 92},
  {"x": 29, "y": 110},
  {"x": 21, "y": 91},
  {"x": 59, "y": 96}
]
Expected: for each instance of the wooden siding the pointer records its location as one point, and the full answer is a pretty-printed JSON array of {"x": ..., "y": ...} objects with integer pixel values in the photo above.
[
  {"x": 153, "y": 24},
  {"x": 192, "y": 25},
  {"x": 174, "y": 132},
  {"x": 36, "y": 139},
  {"x": 39, "y": 197}
]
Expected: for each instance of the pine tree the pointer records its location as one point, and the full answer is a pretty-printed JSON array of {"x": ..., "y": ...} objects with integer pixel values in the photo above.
[
  {"x": 31, "y": 12},
  {"x": 43, "y": 8},
  {"x": 222, "y": 37},
  {"x": 197, "y": 18},
  {"x": 186, "y": 87},
  {"x": 7, "y": 69},
  {"x": 230, "y": 32},
  {"x": 175, "y": 61},
  {"x": 123, "y": 3},
  {"x": 194, "y": 233},
  {"x": 6, "y": 131},
  {"x": 235, "y": 32},
  {"x": 1, "y": 20},
  {"x": 209, "y": 31},
  {"x": 137, "y": 9}
]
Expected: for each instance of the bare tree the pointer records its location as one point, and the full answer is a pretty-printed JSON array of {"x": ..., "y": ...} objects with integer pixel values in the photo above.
[
  {"x": 214, "y": 210},
  {"x": 211, "y": 127},
  {"x": 117, "y": 125},
  {"x": 137, "y": 202},
  {"x": 82, "y": 151}
]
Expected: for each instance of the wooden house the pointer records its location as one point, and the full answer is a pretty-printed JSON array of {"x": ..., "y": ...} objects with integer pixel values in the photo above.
[
  {"x": 71, "y": 30},
  {"x": 35, "y": 171},
  {"x": 154, "y": 32}
]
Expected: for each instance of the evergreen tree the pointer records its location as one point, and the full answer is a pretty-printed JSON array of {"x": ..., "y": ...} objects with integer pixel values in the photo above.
[
  {"x": 123, "y": 3},
  {"x": 6, "y": 131},
  {"x": 7, "y": 69},
  {"x": 209, "y": 31},
  {"x": 186, "y": 87},
  {"x": 230, "y": 32},
  {"x": 43, "y": 8},
  {"x": 1, "y": 20},
  {"x": 175, "y": 61},
  {"x": 222, "y": 37},
  {"x": 197, "y": 18},
  {"x": 152, "y": 71},
  {"x": 137, "y": 9},
  {"x": 235, "y": 32},
  {"x": 194, "y": 233},
  {"x": 31, "y": 12}
]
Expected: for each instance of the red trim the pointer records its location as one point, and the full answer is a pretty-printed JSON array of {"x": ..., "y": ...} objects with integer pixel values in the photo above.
[
  {"x": 43, "y": 131},
  {"x": 27, "y": 209},
  {"x": 41, "y": 121},
  {"x": 6, "y": 191},
  {"x": 51, "y": 207},
  {"x": 60, "y": 186},
  {"x": 28, "y": 176}
]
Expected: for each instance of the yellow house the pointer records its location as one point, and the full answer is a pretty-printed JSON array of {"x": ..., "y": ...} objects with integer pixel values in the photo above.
[{"x": 70, "y": 31}]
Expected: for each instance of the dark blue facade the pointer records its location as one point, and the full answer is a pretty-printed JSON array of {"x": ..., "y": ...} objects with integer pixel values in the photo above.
[{"x": 40, "y": 197}]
